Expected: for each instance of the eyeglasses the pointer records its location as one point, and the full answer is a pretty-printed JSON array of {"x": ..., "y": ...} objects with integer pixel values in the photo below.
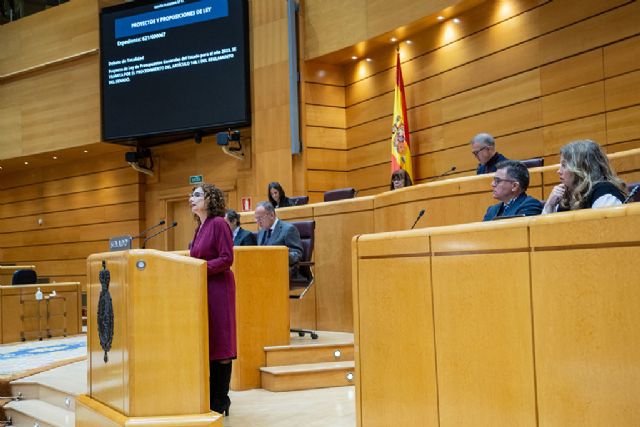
[
  {"x": 497, "y": 180},
  {"x": 259, "y": 218},
  {"x": 476, "y": 152},
  {"x": 197, "y": 194}
]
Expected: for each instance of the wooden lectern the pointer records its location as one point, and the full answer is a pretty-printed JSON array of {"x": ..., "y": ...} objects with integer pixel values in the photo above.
[{"x": 147, "y": 341}]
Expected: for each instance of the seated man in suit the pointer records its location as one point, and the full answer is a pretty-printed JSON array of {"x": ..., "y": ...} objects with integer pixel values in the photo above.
[
  {"x": 483, "y": 146},
  {"x": 241, "y": 237},
  {"x": 509, "y": 185},
  {"x": 275, "y": 232}
]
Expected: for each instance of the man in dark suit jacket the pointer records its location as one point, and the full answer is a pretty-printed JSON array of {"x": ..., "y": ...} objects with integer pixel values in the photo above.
[
  {"x": 275, "y": 232},
  {"x": 483, "y": 146},
  {"x": 241, "y": 237},
  {"x": 509, "y": 185}
]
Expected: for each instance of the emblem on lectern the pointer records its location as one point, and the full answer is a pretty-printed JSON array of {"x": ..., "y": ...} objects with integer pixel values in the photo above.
[{"x": 105, "y": 312}]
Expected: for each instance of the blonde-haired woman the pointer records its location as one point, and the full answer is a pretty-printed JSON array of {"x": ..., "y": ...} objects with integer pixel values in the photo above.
[{"x": 586, "y": 180}]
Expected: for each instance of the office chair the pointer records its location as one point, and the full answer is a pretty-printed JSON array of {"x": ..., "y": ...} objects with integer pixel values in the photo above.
[
  {"x": 339, "y": 194},
  {"x": 299, "y": 200},
  {"x": 535, "y": 162},
  {"x": 301, "y": 280},
  {"x": 24, "y": 277}
]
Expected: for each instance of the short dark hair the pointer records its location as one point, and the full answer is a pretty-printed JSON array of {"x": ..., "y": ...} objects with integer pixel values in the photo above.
[
  {"x": 517, "y": 171},
  {"x": 233, "y": 217}
]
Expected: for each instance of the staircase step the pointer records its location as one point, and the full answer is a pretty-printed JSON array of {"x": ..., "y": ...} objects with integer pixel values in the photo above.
[
  {"x": 29, "y": 412},
  {"x": 310, "y": 353},
  {"x": 307, "y": 376}
]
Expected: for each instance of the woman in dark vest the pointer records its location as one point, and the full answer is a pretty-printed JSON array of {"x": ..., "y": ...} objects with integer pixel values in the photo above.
[{"x": 586, "y": 180}]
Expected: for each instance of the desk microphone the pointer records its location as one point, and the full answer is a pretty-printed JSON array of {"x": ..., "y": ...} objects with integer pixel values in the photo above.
[
  {"x": 162, "y": 222},
  {"x": 453, "y": 169},
  {"x": 144, "y": 243},
  {"x": 418, "y": 218},
  {"x": 631, "y": 195}
]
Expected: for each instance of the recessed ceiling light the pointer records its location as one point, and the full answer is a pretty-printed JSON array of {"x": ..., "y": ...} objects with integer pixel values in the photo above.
[
  {"x": 409, "y": 42},
  {"x": 26, "y": 163},
  {"x": 456, "y": 21},
  {"x": 354, "y": 57},
  {"x": 0, "y": 168},
  {"x": 55, "y": 157},
  {"x": 393, "y": 39},
  {"x": 440, "y": 18},
  {"x": 86, "y": 151},
  {"x": 369, "y": 59}
]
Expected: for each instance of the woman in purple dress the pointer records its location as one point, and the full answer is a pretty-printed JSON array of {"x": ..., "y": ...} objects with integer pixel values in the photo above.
[{"x": 213, "y": 242}]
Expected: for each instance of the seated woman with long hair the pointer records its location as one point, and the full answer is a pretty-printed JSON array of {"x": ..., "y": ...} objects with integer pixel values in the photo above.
[
  {"x": 586, "y": 180},
  {"x": 400, "y": 179}
]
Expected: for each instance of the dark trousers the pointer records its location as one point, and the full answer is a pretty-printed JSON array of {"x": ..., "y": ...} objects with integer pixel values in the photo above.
[{"x": 219, "y": 380}]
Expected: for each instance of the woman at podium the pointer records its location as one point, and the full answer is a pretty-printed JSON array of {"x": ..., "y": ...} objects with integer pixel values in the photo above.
[{"x": 213, "y": 242}]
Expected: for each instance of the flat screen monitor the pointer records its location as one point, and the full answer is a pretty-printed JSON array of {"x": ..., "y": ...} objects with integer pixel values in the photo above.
[{"x": 173, "y": 68}]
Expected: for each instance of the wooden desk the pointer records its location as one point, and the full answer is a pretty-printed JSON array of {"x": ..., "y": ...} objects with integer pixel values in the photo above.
[
  {"x": 22, "y": 318},
  {"x": 522, "y": 322},
  {"x": 17, "y": 267}
]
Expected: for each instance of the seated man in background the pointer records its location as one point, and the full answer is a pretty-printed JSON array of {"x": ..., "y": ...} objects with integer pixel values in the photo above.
[
  {"x": 509, "y": 185},
  {"x": 483, "y": 146},
  {"x": 275, "y": 232},
  {"x": 241, "y": 237}
]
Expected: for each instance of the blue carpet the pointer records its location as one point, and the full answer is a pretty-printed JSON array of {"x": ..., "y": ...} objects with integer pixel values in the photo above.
[{"x": 26, "y": 358}]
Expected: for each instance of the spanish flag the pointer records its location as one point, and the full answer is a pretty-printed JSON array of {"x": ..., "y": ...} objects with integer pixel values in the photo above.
[{"x": 400, "y": 147}]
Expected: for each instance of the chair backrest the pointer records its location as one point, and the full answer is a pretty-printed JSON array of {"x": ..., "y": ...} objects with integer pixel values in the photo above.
[
  {"x": 307, "y": 237},
  {"x": 299, "y": 200},
  {"x": 24, "y": 277},
  {"x": 339, "y": 194},
  {"x": 636, "y": 197},
  {"x": 535, "y": 162}
]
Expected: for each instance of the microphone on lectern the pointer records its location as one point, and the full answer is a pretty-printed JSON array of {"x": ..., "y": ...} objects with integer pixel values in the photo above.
[
  {"x": 162, "y": 222},
  {"x": 453, "y": 169},
  {"x": 422, "y": 211},
  {"x": 144, "y": 243}
]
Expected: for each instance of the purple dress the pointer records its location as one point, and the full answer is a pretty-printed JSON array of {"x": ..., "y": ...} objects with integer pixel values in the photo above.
[{"x": 213, "y": 243}]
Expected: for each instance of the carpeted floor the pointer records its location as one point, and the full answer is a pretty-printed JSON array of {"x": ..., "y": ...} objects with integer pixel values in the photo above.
[{"x": 27, "y": 358}]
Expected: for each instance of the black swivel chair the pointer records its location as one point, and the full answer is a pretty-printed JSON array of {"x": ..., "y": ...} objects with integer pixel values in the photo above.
[
  {"x": 301, "y": 281},
  {"x": 299, "y": 200},
  {"x": 535, "y": 162},
  {"x": 340, "y": 194},
  {"x": 24, "y": 277}
]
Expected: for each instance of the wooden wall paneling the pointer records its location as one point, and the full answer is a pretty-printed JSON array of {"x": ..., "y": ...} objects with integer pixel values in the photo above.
[
  {"x": 47, "y": 37},
  {"x": 557, "y": 135},
  {"x": 323, "y": 94},
  {"x": 324, "y": 116},
  {"x": 572, "y": 72},
  {"x": 113, "y": 195},
  {"x": 90, "y": 232},
  {"x": 371, "y": 176},
  {"x": 573, "y": 103},
  {"x": 110, "y": 157},
  {"x": 75, "y": 184},
  {"x": 82, "y": 216},
  {"x": 75, "y": 250},
  {"x": 622, "y": 91},
  {"x": 621, "y": 57},
  {"x": 370, "y": 154},
  {"x": 373, "y": 108},
  {"x": 601, "y": 29},
  {"x": 326, "y": 180},
  {"x": 319, "y": 159},
  {"x": 320, "y": 137},
  {"x": 521, "y": 87},
  {"x": 66, "y": 108},
  {"x": 372, "y": 131},
  {"x": 623, "y": 125}
]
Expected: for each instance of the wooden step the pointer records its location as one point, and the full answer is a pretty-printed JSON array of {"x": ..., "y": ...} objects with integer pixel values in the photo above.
[
  {"x": 36, "y": 412},
  {"x": 309, "y": 353},
  {"x": 307, "y": 376}
]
